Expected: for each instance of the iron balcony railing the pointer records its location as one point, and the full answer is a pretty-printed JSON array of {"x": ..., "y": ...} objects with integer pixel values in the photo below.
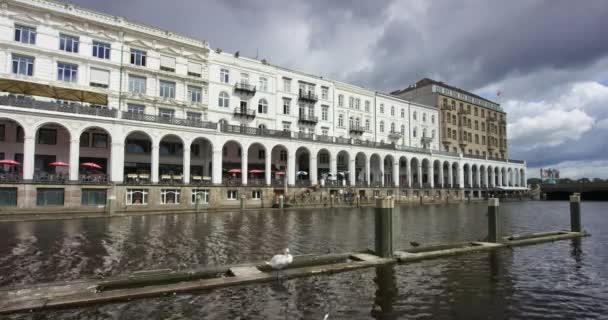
[
  {"x": 357, "y": 129},
  {"x": 244, "y": 112},
  {"x": 308, "y": 96},
  {"x": 516, "y": 161},
  {"x": 308, "y": 119},
  {"x": 304, "y": 136},
  {"x": 168, "y": 120},
  {"x": 474, "y": 156},
  {"x": 244, "y": 87},
  {"x": 395, "y": 135},
  {"x": 324, "y": 138},
  {"x": 252, "y": 131},
  {"x": 75, "y": 107}
]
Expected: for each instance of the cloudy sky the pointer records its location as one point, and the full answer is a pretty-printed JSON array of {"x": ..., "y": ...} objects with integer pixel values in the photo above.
[{"x": 549, "y": 58}]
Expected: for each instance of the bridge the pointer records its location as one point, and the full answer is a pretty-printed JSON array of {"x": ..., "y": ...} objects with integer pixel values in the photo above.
[{"x": 588, "y": 190}]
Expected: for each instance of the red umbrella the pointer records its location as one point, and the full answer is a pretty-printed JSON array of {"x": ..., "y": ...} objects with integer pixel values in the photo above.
[
  {"x": 234, "y": 171},
  {"x": 280, "y": 173},
  {"x": 10, "y": 162},
  {"x": 59, "y": 164},
  {"x": 91, "y": 165},
  {"x": 256, "y": 171}
]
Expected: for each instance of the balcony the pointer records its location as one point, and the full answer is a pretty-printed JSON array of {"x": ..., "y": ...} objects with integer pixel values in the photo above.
[
  {"x": 244, "y": 112},
  {"x": 245, "y": 88},
  {"x": 75, "y": 108},
  {"x": 308, "y": 97},
  {"x": 462, "y": 143},
  {"x": 356, "y": 130},
  {"x": 304, "y": 136},
  {"x": 395, "y": 135},
  {"x": 447, "y": 107},
  {"x": 464, "y": 111},
  {"x": 253, "y": 131},
  {"x": 308, "y": 119},
  {"x": 492, "y": 119},
  {"x": 168, "y": 120}
]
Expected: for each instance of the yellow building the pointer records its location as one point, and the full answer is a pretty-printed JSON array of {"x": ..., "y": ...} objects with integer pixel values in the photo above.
[{"x": 469, "y": 123}]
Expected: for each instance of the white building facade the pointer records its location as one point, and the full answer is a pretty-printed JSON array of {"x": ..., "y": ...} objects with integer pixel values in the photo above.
[{"x": 94, "y": 107}]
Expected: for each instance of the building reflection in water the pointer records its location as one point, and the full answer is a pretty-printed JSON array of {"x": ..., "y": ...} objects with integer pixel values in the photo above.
[
  {"x": 386, "y": 293},
  {"x": 577, "y": 251}
]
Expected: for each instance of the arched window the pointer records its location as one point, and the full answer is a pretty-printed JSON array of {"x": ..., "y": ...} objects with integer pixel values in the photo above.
[
  {"x": 414, "y": 115},
  {"x": 224, "y": 100},
  {"x": 402, "y": 113},
  {"x": 262, "y": 127},
  {"x": 262, "y": 106},
  {"x": 393, "y": 127},
  {"x": 367, "y": 124},
  {"x": 283, "y": 155},
  {"x": 341, "y": 120},
  {"x": 433, "y": 118},
  {"x": 223, "y": 122},
  {"x": 424, "y": 117},
  {"x": 415, "y": 132},
  {"x": 351, "y": 122},
  {"x": 357, "y": 122},
  {"x": 381, "y": 126},
  {"x": 381, "y": 108},
  {"x": 392, "y": 110}
]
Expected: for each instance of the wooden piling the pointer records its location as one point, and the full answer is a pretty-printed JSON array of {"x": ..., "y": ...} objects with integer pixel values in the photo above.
[
  {"x": 575, "y": 213},
  {"x": 332, "y": 201},
  {"x": 494, "y": 232},
  {"x": 243, "y": 197},
  {"x": 281, "y": 201},
  {"x": 384, "y": 227},
  {"x": 199, "y": 201}
]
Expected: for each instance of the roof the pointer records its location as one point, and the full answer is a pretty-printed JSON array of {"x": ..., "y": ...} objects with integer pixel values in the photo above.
[{"x": 427, "y": 82}]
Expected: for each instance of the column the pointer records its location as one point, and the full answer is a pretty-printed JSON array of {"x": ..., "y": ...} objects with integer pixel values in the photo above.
[
  {"x": 408, "y": 173},
  {"x": 524, "y": 179},
  {"x": 486, "y": 183},
  {"x": 29, "y": 152},
  {"x": 478, "y": 178},
  {"x": 216, "y": 172},
  {"x": 268, "y": 168},
  {"x": 244, "y": 159},
  {"x": 470, "y": 176},
  {"x": 499, "y": 178},
  {"x": 382, "y": 173},
  {"x": 396, "y": 173},
  {"x": 431, "y": 175},
  {"x": 154, "y": 165},
  {"x": 440, "y": 180},
  {"x": 333, "y": 165},
  {"x": 74, "y": 159},
  {"x": 367, "y": 170},
  {"x": 186, "y": 171},
  {"x": 450, "y": 176},
  {"x": 351, "y": 171},
  {"x": 460, "y": 173},
  {"x": 419, "y": 169},
  {"x": 291, "y": 167},
  {"x": 313, "y": 170},
  {"x": 492, "y": 178},
  {"x": 117, "y": 159}
]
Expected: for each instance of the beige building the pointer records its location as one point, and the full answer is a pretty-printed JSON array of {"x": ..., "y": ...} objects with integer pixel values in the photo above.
[{"x": 469, "y": 123}]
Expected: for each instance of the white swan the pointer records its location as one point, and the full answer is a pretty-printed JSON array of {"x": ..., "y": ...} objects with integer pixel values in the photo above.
[{"x": 280, "y": 261}]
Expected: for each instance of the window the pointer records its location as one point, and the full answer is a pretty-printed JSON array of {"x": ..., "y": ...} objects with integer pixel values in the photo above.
[
  {"x": 414, "y": 115},
  {"x": 476, "y": 125},
  {"x": 351, "y": 102},
  {"x": 23, "y": 65},
  {"x": 93, "y": 197},
  {"x": 286, "y": 85},
  {"x": 340, "y": 100},
  {"x": 2, "y": 134},
  {"x": 476, "y": 111},
  {"x": 138, "y": 57},
  {"x": 324, "y": 113},
  {"x": 393, "y": 127},
  {"x": 263, "y": 84},
  {"x": 263, "y": 106},
  {"x": 283, "y": 155},
  {"x": 476, "y": 138},
  {"x": 136, "y": 108},
  {"x": 433, "y": 118},
  {"x": 137, "y": 196},
  {"x": 324, "y": 158},
  {"x": 341, "y": 120},
  {"x": 169, "y": 196},
  {"x": 433, "y": 134},
  {"x": 415, "y": 132},
  {"x": 381, "y": 126},
  {"x": 25, "y": 34},
  {"x": 286, "y": 105},
  {"x": 166, "y": 113},
  {"x": 68, "y": 43},
  {"x": 137, "y": 84},
  {"x": 367, "y": 124},
  {"x": 47, "y": 136},
  {"x": 193, "y": 116},
  {"x": 195, "y": 94},
  {"x": 204, "y": 196},
  {"x": 232, "y": 194},
  {"x": 49, "y": 197},
  {"x": 286, "y": 126},
  {"x": 357, "y": 104},
  {"x": 367, "y": 104},
  {"x": 100, "y": 140},
  {"x": 167, "y": 89},
  {"x": 225, "y": 75},
  {"x": 261, "y": 154},
  {"x": 423, "y": 117},
  {"x": 101, "y": 50},
  {"x": 245, "y": 78},
  {"x": 381, "y": 108},
  {"x": 256, "y": 194},
  {"x": 324, "y": 132},
  {"x": 483, "y": 139},
  {"x": 351, "y": 122},
  {"x": 167, "y": 63},
  {"x": 324, "y": 93},
  {"x": 100, "y": 78},
  {"x": 67, "y": 72},
  {"x": 223, "y": 100},
  {"x": 392, "y": 111},
  {"x": 402, "y": 113},
  {"x": 8, "y": 197},
  {"x": 195, "y": 69}
]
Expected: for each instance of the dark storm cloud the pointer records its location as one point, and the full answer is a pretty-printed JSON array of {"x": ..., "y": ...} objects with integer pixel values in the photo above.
[{"x": 533, "y": 50}]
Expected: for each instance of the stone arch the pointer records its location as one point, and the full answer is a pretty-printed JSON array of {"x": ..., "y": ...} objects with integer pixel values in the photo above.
[
  {"x": 404, "y": 175},
  {"x": 456, "y": 175},
  {"x": 437, "y": 176},
  {"x": 279, "y": 157},
  {"x": 256, "y": 163},
  {"x": 416, "y": 169},
  {"x": 342, "y": 162},
  {"x": 447, "y": 177},
  {"x": 361, "y": 174},
  {"x": 388, "y": 163},
  {"x": 303, "y": 166},
  {"x": 426, "y": 172},
  {"x": 95, "y": 146},
  {"x": 323, "y": 163},
  {"x": 52, "y": 142},
  {"x": 232, "y": 162},
  {"x": 375, "y": 161}
]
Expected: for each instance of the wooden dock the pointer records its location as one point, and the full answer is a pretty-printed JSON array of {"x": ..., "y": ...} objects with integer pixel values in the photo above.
[{"x": 153, "y": 283}]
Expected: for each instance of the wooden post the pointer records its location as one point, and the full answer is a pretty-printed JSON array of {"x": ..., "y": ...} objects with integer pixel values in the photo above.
[
  {"x": 494, "y": 232},
  {"x": 197, "y": 204},
  {"x": 243, "y": 197},
  {"x": 281, "y": 199},
  {"x": 575, "y": 213},
  {"x": 358, "y": 201},
  {"x": 384, "y": 227},
  {"x": 331, "y": 201}
]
